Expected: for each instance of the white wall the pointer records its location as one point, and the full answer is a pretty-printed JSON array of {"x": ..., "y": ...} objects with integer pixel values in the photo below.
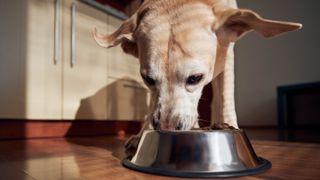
[{"x": 263, "y": 64}]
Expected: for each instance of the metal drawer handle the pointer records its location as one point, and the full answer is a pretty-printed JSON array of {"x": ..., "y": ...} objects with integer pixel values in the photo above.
[
  {"x": 57, "y": 32},
  {"x": 73, "y": 34}
]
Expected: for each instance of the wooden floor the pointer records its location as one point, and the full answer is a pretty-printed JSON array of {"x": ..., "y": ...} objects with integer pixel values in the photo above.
[{"x": 99, "y": 158}]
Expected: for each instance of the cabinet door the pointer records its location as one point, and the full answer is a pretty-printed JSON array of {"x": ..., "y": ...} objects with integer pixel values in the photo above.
[
  {"x": 12, "y": 51},
  {"x": 43, "y": 76},
  {"x": 126, "y": 99},
  {"x": 30, "y": 81},
  {"x": 121, "y": 65},
  {"x": 84, "y": 78},
  {"x": 126, "y": 93}
]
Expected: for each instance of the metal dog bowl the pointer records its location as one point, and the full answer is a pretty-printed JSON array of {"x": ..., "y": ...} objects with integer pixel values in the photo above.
[{"x": 197, "y": 153}]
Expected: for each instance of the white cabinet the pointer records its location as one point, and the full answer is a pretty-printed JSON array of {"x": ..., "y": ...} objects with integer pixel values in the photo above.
[
  {"x": 127, "y": 96},
  {"x": 43, "y": 77},
  {"x": 29, "y": 81},
  {"x": 126, "y": 99},
  {"x": 12, "y": 70},
  {"x": 100, "y": 84},
  {"x": 88, "y": 73},
  {"x": 121, "y": 65}
]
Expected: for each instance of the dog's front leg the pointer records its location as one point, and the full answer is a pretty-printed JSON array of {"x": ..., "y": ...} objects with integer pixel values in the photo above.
[
  {"x": 131, "y": 144},
  {"x": 223, "y": 105},
  {"x": 223, "y": 110}
]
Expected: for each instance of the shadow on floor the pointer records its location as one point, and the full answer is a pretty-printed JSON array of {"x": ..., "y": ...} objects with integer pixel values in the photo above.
[{"x": 308, "y": 135}]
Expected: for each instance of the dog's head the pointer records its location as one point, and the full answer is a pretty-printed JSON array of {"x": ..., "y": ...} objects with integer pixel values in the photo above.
[{"x": 182, "y": 45}]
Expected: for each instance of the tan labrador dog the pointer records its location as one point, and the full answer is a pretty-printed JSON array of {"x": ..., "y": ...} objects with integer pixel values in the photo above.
[{"x": 182, "y": 45}]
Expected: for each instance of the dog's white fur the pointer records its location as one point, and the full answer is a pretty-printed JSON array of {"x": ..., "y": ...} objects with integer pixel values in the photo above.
[{"x": 176, "y": 39}]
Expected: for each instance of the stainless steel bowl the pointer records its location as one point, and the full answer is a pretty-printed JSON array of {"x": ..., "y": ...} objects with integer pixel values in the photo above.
[{"x": 197, "y": 153}]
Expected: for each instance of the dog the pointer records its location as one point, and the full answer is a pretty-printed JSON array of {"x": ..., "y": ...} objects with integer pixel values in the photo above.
[{"x": 182, "y": 45}]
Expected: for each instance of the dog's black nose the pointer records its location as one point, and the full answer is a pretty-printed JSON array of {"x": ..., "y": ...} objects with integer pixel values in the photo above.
[
  {"x": 179, "y": 126},
  {"x": 155, "y": 124},
  {"x": 155, "y": 121}
]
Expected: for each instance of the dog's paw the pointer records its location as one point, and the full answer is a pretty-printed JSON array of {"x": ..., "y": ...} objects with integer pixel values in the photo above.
[
  {"x": 131, "y": 145},
  {"x": 216, "y": 126}
]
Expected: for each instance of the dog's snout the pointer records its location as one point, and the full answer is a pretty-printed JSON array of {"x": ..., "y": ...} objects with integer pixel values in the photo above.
[
  {"x": 168, "y": 118},
  {"x": 169, "y": 122}
]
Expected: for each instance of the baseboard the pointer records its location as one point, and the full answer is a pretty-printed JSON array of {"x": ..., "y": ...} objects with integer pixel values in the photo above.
[{"x": 24, "y": 129}]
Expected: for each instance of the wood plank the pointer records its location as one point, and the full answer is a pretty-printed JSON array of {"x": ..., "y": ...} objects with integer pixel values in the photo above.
[
  {"x": 99, "y": 158},
  {"x": 22, "y": 129}
]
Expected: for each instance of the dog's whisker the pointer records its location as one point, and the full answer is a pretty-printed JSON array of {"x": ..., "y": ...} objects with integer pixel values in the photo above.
[{"x": 203, "y": 120}]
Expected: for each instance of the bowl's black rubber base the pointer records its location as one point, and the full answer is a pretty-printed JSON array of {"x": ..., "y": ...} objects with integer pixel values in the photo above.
[{"x": 264, "y": 165}]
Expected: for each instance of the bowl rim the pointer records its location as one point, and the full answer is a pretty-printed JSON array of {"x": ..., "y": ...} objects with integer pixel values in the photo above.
[
  {"x": 263, "y": 166},
  {"x": 197, "y": 131}
]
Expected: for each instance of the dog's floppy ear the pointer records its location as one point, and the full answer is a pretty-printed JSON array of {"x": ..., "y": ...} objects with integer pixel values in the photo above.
[
  {"x": 123, "y": 35},
  {"x": 232, "y": 24}
]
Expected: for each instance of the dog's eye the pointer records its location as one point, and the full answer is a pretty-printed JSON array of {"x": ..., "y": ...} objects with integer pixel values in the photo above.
[
  {"x": 194, "y": 79},
  {"x": 149, "y": 80}
]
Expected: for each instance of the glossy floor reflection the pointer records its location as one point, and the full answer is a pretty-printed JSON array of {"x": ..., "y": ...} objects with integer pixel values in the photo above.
[{"x": 99, "y": 158}]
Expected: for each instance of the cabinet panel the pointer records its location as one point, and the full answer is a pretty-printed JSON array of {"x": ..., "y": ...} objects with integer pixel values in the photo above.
[
  {"x": 43, "y": 77},
  {"x": 12, "y": 47},
  {"x": 30, "y": 82},
  {"x": 84, "y": 95},
  {"x": 127, "y": 96},
  {"x": 121, "y": 65},
  {"x": 126, "y": 99}
]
